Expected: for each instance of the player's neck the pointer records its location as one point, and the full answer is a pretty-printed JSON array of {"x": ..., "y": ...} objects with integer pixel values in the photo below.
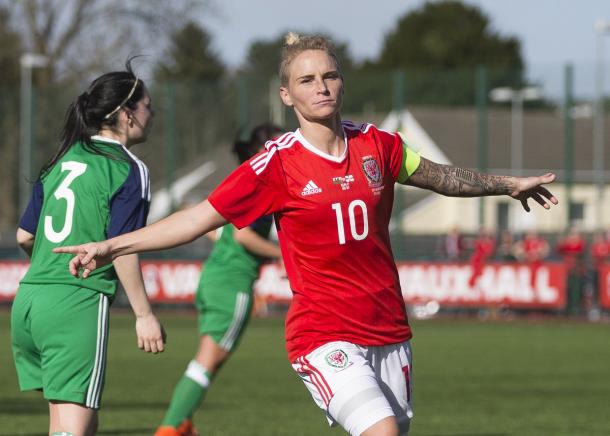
[
  {"x": 117, "y": 136},
  {"x": 326, "y": 136}
]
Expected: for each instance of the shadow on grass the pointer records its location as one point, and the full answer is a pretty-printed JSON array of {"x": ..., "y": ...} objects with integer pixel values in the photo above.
[
  {"x": 158, "y": 405},
  {"x": 23, "y": 406},
  {"x": 25, "y": 434},
  {"x": 39, "y": 406},
  {"x": 147, "y": 430},
  {"x": 465, "y": 434},
  {"x": 133, "y": 405}
]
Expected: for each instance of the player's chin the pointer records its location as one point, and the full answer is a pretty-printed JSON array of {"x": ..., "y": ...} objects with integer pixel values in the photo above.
[{"x": 325, "y": 113}]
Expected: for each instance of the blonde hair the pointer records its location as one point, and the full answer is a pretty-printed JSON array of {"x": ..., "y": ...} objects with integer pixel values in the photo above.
[{"x": 295, "y": 44}]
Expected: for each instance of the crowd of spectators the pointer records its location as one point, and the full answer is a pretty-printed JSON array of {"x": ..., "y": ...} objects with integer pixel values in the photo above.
[{"x": 582, "y": 257}]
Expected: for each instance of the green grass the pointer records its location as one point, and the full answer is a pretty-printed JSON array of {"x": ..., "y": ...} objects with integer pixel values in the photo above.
[{"x": 471, "y": 378}]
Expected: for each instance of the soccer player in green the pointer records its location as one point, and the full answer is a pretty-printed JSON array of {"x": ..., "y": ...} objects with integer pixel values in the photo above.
[
  {"x": 224, "y": 300},
  {"x": 92, "y": 189}
]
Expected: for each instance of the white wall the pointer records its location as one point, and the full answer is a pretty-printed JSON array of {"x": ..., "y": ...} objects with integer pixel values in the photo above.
[{"x": 436, "y": 214}]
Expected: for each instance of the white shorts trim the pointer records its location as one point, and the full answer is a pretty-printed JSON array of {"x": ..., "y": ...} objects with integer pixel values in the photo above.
[
  {"x": 240, "y": 314},
  {"x": 94, "y": 391}
]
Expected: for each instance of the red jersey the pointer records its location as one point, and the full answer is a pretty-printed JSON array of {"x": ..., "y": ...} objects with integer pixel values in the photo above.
[
  {"x": 483, "y": 248},
  {"x": 600, "y": 250},
  {"x": 332, "y": 216},
  {"x": 571, "y": 248},
  {"x": 534, "y": 248}
]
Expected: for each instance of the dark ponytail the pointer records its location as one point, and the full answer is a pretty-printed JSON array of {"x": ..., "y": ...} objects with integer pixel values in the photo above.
[
  {"x": 96, "y": 108},
  {"x": 259, "y": 135}
]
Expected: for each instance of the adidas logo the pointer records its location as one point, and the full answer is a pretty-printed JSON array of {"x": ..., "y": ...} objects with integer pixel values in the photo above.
[{"x": 311, "y": 188}]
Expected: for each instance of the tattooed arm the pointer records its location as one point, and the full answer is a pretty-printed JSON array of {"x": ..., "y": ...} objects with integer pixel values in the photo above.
[{"x": 459, "y": 182}]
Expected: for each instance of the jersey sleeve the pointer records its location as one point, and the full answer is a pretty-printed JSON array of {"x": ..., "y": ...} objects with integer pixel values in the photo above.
[
  {"x": 29, "y": 219},
  {"x": 403, "y": 159},
  {"x": 129, "y": 205},
  {"x": 254, "y": 189}
]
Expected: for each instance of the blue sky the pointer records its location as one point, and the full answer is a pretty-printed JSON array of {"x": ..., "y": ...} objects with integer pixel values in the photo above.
[{"x": 552, "y": 32}]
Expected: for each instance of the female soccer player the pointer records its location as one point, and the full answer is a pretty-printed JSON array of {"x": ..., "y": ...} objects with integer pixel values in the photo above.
[
  {"x": 330, "y": 185},
  {"x": 93, "y": 188},
  {"x": 224, "y": 300}
]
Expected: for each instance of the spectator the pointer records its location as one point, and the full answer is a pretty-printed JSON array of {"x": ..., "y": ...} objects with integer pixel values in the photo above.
[
  {"x": 506, "y": 247},
  {"x": 572, "y": 247},
  {"x": 453, "y": 245},
  {"x": 532, "y": 249},
  {"x": 600, "y": 253},
  {"x": 600, "y": 249},
  {"x": 484, "y": 247}
]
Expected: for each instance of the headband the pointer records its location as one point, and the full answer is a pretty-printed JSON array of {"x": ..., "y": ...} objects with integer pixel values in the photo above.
[{"x": 133, "y": 88}]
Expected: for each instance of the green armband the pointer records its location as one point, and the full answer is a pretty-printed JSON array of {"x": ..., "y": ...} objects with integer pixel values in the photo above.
[{"x": 410, "y": 162}]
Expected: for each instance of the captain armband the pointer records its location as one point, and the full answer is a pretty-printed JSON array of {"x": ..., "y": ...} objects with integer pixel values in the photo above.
[{"x": 410, "y": 162}]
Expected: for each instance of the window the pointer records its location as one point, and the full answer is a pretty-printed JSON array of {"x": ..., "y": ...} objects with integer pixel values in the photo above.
[
  {"x": 577, "y": 212},
  {"x": 502, "y": 220}
]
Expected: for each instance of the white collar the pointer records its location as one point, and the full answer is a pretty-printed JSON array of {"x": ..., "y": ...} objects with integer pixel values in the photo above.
[
  {"x": 105, "y": 139},
  {"x": 309, "y": 146}
]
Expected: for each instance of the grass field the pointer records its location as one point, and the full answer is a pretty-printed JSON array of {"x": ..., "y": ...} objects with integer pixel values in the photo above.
[{"x": 471, "y": 378}]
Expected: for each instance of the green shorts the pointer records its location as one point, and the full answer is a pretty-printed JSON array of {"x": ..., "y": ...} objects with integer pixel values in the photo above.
[
  {"x": 224, "y": 310},
  {"x": 59, "y": 336}
]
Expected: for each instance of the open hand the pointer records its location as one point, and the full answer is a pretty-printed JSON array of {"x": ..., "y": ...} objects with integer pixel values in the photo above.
[{"x": 531, "y": 187}]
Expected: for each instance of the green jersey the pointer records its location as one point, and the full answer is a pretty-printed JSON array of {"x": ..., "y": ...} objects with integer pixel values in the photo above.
[
  {"x": 230, "y": 260},
  {"x": 84, "y": 197}
]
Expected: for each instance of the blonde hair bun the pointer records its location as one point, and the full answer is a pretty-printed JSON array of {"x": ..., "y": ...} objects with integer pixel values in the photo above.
[{"x": 292, "y": 38}]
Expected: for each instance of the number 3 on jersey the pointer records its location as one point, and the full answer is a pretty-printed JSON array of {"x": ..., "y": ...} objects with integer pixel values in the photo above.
[
  {"x": 63, "y": 191},
  {"x": 352, "y": 220}
]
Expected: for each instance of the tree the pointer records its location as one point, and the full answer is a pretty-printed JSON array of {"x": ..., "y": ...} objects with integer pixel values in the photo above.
[
  {"x": 83, "y": 37},
  {"x": 440, "y": 45},
  {"x": 263, "y": 57},
  {"x": 190, "y": 57},
  {"x": 10, "y": 51},
  {"x": 448, "y": 35},
  {"x": 189, "y": 82}
]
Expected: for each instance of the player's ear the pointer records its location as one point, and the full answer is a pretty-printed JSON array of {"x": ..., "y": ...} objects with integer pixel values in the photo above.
[
  {"x": 285, "y": 96},
  {"x": 124, "y": 116}
]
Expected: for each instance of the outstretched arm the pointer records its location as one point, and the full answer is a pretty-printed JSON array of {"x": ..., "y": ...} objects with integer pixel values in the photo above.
[
  {"x": 460, "y": 182},
  {"x": 177, "y": 229}
]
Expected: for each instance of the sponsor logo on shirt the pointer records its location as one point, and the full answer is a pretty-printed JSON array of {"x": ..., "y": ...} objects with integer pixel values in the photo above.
[
  {"x": 311, "y": 188},
  {"x": 344, "y": 181},
  {"x": 337, "y": 359}
]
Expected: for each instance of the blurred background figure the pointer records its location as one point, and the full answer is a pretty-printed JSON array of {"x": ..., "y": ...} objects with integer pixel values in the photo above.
[
  {"x": 600, "y": 253},
  {"x": 484, "y": 247},
  {"x": 506, "y": 247},
  {"x": 223, "y": 299},
  {"x": 532, "y": 249},
  {"x": 571, "y": 248},
  {"x": 453, "y": 245},
  {"x": 600, "y": 249}
]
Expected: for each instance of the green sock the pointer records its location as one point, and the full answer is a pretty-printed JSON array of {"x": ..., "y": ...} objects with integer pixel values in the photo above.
[{"x": 188, "y": 394}]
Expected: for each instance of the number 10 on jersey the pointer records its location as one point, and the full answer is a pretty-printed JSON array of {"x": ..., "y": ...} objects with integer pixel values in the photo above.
[{"x": 353, "y": 227}]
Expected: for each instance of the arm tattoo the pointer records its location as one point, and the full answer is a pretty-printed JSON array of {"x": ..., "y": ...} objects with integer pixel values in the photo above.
[{"x": 458, "y": 182}]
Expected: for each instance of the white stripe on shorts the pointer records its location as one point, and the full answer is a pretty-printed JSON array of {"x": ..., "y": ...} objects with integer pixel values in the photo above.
[
  {"x": 239, "y": 316},
  {"x": 99, "y": 366}
]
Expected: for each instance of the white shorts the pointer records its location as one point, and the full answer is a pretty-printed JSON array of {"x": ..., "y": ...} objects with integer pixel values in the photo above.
[{"x": 358, "y": 386}]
